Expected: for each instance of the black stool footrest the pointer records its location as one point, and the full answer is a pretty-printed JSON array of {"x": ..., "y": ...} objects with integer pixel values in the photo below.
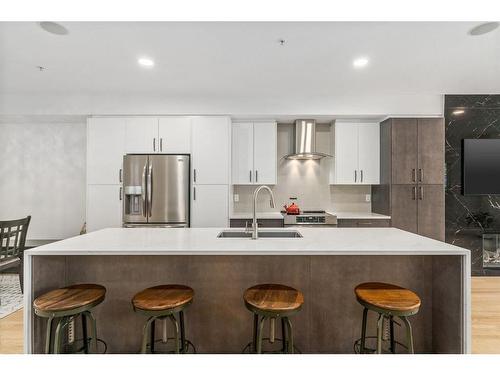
[
  {"x": 189, "y": 349},
  {"x": 248, "y": 347},
  {"x": 368, "y": 350}
]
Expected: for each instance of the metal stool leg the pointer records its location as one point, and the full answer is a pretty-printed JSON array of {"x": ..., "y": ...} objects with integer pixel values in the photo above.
[
  {"x": 255, "y": 328},
  {"x": 380, "y": 327},
  {"x": 63, "y": 323},
  {"x": 183, "y": 332},
  {"x": 290, "y": 336},
  {"x": 283, "y": 335},
  {"x": 48, "y": 338},
  {"x": 362, "y": 345},
  {"x": 152, "y": 337},
  {"x": 176, "y": 328},
  {"x": 409, "y": 334},
  {"x": 391, "y": 333},
  {"x": 145, "y": 334},
  {"x": 85, "y": 334},
  {"x": 259, "y": 336},
  {"x": 93, "y": 330}
]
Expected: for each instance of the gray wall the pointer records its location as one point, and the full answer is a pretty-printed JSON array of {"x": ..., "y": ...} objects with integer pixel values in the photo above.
[{"x": 42, "y": 169}]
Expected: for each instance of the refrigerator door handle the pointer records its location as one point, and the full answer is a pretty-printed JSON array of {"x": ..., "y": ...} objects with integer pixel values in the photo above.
[
  {"x": 143, "y": 191},
  {"x": 150, "y": 189}
]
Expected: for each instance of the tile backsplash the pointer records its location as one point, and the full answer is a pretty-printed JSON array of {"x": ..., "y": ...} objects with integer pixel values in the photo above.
[{"x": 307, "y": 180}]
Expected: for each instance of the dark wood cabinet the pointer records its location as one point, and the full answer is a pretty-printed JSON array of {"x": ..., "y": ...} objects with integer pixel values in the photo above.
[
  {"x": 404, "y": 151},
  {"x": 412, "y": 175},
  {"x": 363, "y": 223},
  {"x": 431, "y": 211},
  {"x": 404, "y": 214},
  {"x": 263, "y": 223},
  {"x": 430, "y": 165}
]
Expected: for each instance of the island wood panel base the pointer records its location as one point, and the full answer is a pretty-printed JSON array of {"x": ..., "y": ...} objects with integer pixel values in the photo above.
[{"x": 218, "y": 322}]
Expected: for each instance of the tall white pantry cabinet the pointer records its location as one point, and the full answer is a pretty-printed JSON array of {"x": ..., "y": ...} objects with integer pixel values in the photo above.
[{"x": 205, "y": 138}]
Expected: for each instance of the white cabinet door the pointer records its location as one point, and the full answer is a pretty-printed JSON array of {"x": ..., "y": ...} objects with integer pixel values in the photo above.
[
  {"x": 242, "y": 153},
  {"x": 264, "y": 147},
  {"x": 174, "y": 135},
  {"x": 369, "y": 153},
  {"x": 141, "y": 135},
  {"x": 346, "y": 153},
  {"x": 209, "y": 206},
  {"x": 105, "y": 149},
  {"x": 210, "y": 147},
  {"x": 104, "y": 207}
]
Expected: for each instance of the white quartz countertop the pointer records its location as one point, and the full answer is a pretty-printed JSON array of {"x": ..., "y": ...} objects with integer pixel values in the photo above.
[
  {"x": 340, "y": 215},
  {"x": 359, "y": 215},
  {"x": 204, "y": 241}
]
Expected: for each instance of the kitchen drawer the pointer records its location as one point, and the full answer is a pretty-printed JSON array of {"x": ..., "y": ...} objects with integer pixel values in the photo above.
[
  {"x": 263, "y": 223},
  {"x": 363, "y": 223}
]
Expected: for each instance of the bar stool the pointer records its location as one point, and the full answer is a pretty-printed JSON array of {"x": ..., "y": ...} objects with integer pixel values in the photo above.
[
  {"x": 162, "y": 302},
  {"x": 272, "y": 301},
  {"x": 65, "y": 305},
  {"x": 389, "y": 301}
]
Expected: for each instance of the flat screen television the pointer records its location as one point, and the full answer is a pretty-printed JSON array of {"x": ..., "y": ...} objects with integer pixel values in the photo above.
[{"x": 481, "y": 166}]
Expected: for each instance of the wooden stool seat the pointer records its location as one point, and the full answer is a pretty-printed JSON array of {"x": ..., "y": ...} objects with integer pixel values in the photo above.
[
  {"x": 73, "y": 297},
  {"x": 390, "y": 298},
  {"x": 273, "y": 298},
  {"x": 163, "y": 297}
]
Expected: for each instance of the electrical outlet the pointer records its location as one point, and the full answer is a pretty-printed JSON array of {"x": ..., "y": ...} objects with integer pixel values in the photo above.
[
  {"x": 368, "y": 198},
  {"x": 236, "y": 197}
]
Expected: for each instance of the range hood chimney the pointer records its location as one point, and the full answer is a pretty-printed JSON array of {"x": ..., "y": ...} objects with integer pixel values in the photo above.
[{"x": 305, "y": 141}]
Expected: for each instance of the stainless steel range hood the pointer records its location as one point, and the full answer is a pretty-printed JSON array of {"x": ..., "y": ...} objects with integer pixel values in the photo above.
[{"x": 305, "y": 141}]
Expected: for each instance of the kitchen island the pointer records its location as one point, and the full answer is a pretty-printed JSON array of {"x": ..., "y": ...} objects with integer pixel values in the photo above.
[{"x": 325, "y": 264}]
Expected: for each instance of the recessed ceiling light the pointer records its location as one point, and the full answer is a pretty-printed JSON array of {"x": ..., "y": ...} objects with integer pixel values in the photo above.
[
  {"x": 146, "y": 62},
  {"x": 53, "y": 28},
  {"x": 484, "y": 28},
  {"x": 458, "y": 112},
  {"x": 360, "y": 62}
]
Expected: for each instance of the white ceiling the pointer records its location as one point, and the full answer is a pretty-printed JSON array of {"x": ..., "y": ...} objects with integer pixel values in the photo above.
[{"x": 228, "y": 60}]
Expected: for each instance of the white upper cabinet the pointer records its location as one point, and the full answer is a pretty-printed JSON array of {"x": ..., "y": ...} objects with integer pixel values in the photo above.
[
  {"x": 242, "y": 153},
  {"x": 369, "y": 153},
  {"x": 265, "y": 145},
  {"x": 105, "y": 149},
  {"x": 357, "y": 153},
  {"x": 141, "y": 135},
  {"x": 210, "y": 150},
  {"x": 254, "y": 150},
  {"x": 174, "y": 135}
]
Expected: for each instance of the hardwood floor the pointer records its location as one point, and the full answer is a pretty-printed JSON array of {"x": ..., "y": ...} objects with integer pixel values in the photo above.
[
  {"x": 11, "y": 333},
  {"x": 485, "y": 320},
  {"x": 486, "y": 315}
]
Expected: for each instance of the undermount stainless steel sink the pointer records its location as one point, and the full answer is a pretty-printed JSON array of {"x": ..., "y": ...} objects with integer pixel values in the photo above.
[{"x": 262, "y": 234}]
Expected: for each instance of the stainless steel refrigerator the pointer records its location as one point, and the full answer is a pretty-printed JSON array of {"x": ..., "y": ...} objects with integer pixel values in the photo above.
[{"x": 156, "y": 190}]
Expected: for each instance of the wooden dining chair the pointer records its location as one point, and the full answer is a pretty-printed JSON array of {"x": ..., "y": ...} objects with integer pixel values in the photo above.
[{"x": 12, "y": 242}]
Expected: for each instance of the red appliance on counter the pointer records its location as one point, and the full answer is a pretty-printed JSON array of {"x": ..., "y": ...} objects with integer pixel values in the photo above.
[{"x": 293, "y": 209}]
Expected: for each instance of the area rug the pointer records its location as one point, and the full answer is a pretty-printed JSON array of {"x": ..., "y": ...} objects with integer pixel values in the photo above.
[{"x": 11, "y": 298}]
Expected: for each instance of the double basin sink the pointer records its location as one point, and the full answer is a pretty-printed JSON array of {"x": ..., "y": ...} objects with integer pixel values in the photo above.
[{"x": 262, "y": 234}]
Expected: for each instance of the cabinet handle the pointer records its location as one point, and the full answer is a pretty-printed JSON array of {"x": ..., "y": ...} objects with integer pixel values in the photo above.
[
  {"x": 120, "y": 175},
  {"x": 154, "y": 144},
  {"x": 120, "y": 193},
  {"x": 194, "y": 193},
  {"x": 250, "y": 175},
  {"x": 161, "y": 144},
  {"x": 420, "y": 174},
  {"x": 256, "y": 176},
  {"x": 194, "y": 175},
  {"x": 414, "y": 190},
  {"x": 414, "y": 175},
  {"x": 421, "y": 191},
  {"x": 361, "y": 175},
  {"x": 355, "y": 175}
]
